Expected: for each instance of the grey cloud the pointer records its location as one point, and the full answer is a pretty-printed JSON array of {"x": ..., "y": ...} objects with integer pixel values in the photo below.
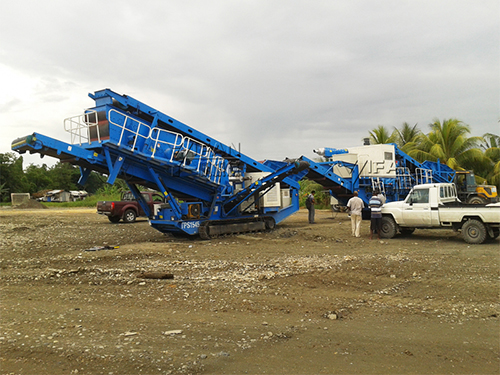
[{"x": 280, "y": 77}]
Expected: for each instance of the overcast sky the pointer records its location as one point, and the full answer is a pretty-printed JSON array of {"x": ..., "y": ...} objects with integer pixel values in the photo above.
[{"x": 278, "y": 77}]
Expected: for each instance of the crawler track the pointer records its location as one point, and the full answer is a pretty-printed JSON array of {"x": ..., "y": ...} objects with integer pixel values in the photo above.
[{"x": 215, "y": 228}]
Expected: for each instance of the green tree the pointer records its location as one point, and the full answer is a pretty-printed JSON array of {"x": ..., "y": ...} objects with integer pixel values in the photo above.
[
  {"x": 65, "y": 176},
  {"x": 95, "y": 182},
  {"x": 487, "y": 170},
  {"x": 117, "y": 188},
  {"x": 490, "y": 141},
  {"x": 407, "y": 136},
  {"x": 322, "y": 197},
  {"x": 38, "y": 178},
  {"x": 448, "y": 142},
  {"x": 3, "y": 189},
  {"x": 12, "y": 176},
  {"x": 380, "y": 135}
]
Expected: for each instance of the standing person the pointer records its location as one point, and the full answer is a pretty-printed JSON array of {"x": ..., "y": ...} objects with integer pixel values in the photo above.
[
  {"x": 375, "y": 205},
  {"x": 355, "y": 205},
  {"x": 310, "y": 202}
]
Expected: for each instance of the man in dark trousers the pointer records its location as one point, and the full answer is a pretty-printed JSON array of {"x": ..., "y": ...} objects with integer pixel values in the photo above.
[
  {"x": 375, "y": 205},
  {"x": 310, "y": 202}
]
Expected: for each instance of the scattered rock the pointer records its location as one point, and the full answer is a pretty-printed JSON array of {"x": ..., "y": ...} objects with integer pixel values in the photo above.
[
  {"x": 128, "y": 334},
  {"x": 173, "y": 332},
  {"x": 155, "y": 275}
]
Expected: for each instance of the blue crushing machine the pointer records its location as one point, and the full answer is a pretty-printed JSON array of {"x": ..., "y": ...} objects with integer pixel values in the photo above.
[
  {"x": 209, "y": 188},
  {"x": 382, "y": 167}
]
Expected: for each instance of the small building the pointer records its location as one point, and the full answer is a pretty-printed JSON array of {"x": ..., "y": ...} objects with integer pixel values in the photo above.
[
  {"x": 78, "y": 195},
  {"x": 57, "y": 196}
]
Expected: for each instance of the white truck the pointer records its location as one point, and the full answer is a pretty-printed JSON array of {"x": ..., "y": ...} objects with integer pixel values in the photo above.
[{"x": 437, "y": 206}]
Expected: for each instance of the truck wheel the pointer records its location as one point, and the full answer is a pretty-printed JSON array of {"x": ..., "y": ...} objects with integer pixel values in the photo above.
[
  {"x": 496, "y": 233},
  {"x": 476, "y": 200},
  {"x": 407, "y": 231},
  {"x": 129, "y": 216},
  {"x": 114, "y": 219},
  {"x": 474, "y": 232},
  {"x": 389, "y": 227}
]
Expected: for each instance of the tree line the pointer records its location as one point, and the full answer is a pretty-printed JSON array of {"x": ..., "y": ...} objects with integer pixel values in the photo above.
[
  {"x": 33, "y": 179},
  {"x": 447, "y": 141}
]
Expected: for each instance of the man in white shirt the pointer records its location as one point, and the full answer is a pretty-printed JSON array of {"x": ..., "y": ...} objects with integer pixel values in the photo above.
[{"x": 355, "y": 205}]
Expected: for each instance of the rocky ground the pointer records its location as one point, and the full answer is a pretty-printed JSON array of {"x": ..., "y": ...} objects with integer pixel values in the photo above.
[{"x": 303, "y": 299}]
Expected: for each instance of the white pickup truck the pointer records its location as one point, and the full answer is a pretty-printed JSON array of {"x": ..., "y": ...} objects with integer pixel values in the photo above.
[{"x": 437, "y": 206}]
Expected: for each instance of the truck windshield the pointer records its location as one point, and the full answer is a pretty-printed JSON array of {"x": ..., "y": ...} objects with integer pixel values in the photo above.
[{"x": 419, "y": 196}]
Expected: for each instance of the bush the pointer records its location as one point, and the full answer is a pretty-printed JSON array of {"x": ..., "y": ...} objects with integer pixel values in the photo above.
[{"x": 321, "y": 196}]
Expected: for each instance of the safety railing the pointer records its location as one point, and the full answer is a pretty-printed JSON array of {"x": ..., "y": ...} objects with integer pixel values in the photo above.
[
  {"x": 188, "y": 153},
  {"x": 423, "y": 176},
  {"x": 138, "y": 137},
  {"x": 403, "y": 179},
  {"x": 79, "y": 127},
  {"x": 133, "y": 134}
]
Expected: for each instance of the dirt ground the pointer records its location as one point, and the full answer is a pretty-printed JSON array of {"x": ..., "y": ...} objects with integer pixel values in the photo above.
[{"x": 302, "y": 299}]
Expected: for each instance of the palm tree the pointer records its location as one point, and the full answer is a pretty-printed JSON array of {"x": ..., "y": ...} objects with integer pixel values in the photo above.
[
  {"x": 448, "y": 142},
  {"x": 407, "y": 136},
  {"x": 494, "y": 176},
  {"x": 380, "y": 135},
  {"x": 489, "y": 167},
  {"x": 490, "y": 141}
]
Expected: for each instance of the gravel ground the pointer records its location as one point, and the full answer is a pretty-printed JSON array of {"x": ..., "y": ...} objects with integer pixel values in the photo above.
[{"x": 302, "y": 299}]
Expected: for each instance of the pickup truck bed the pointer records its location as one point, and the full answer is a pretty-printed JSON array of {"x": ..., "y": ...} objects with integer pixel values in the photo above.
[{"x": 454, "y": 213}]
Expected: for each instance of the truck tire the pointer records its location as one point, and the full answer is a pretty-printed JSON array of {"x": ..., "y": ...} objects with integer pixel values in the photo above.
[
  {"x": 114, "y": 219},
  {"x": 476, "y": 200},
  {"x": 496, "y": 233},
  {"x": 389, "y": 227},
  {"x": 129, "y": 216},
  {"x": 407, "y": 231},
  {"x": 474, "y": 232}
]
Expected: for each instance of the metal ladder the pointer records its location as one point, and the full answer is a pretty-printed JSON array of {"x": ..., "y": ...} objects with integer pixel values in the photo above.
[
  {"x": 377, "y": 184},
  {"x": 403, "y": 179},
  {"x": 423, "y": 176}
]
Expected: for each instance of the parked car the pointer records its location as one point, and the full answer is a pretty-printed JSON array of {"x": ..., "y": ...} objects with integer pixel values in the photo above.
[{"x": 128, "y": 208}]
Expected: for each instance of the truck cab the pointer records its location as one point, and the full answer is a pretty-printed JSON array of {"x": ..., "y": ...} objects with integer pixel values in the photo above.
[{"x": 420, "y": 208}]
